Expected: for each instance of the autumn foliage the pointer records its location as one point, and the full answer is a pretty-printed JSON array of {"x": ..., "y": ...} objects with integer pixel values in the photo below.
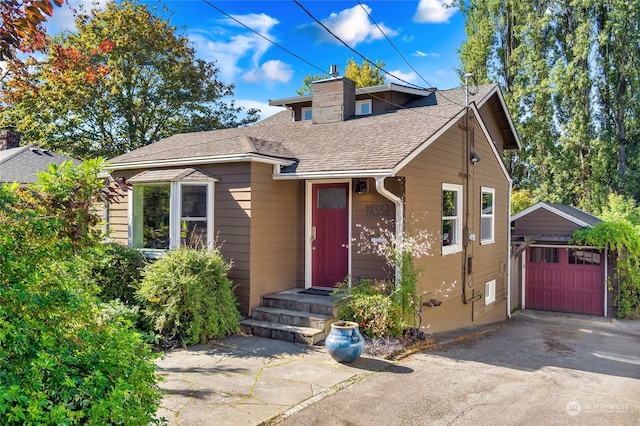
[{"x": 22, "y": 25}]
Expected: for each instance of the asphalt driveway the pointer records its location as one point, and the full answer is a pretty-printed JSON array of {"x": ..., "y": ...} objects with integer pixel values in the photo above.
[{"x": 538, "y": 368}]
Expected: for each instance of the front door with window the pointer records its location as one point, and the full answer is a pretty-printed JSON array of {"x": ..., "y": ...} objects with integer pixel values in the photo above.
[{"x": 329, "y": 234}]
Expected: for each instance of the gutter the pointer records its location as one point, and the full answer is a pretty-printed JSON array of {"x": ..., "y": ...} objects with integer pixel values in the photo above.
[{"x": 397, "y": 201}]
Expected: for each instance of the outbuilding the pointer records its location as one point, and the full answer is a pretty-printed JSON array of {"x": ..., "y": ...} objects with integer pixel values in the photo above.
[{"x": 551, "y": 274}]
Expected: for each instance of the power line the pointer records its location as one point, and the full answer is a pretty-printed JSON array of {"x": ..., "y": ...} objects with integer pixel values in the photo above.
[
  {"x": 323, "y": 71},
  {"x": 263, "y": 36},
  {"x": 391, "y": 43},
  {"x": 397, "y": 50},
  {"x": 351, "y": 48}
]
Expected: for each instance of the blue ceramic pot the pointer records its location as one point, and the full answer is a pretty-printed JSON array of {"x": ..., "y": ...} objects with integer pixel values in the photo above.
[{"x": 344, "y": 343}]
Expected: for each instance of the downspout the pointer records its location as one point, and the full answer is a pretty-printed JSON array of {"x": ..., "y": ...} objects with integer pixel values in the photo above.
[
  {"x": 397, "y": 201},
  {"x": 509, "y": 251}
]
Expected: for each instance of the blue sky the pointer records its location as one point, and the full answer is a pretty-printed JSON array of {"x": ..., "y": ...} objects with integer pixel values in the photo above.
[{"x": 427, "y": 34}]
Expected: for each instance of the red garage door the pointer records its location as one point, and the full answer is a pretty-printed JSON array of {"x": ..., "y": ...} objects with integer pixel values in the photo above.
[{"x": 565, "y": 280}]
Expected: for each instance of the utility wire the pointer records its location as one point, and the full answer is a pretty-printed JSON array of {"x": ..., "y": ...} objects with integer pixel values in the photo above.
[
  {"x": 397, "y": 50},
  {"x": 263, "y": 36},
  {"x": 351, "y": 48},
  {"x": 421, "y": 112}
]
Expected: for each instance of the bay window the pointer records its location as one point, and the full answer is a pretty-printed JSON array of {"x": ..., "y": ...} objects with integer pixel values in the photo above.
[{"x": 169, "y": 215}]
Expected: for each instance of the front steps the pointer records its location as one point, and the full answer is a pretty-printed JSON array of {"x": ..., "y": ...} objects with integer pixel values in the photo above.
[{"x": 292, "y": 316}]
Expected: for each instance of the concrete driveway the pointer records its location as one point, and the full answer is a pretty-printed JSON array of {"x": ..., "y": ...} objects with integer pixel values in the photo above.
[{"x": 538, "y": 368}]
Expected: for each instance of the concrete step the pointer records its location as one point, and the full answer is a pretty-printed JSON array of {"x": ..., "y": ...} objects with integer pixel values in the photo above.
[
  {"x": 289, "y": 317},
  {"x": 293, "y": 300},
  {"x": 290, "y": 333}
]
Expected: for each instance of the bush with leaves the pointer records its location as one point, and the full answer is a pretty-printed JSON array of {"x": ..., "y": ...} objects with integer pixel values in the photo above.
[
  {"x": 369, "y": 303},
  {"x": 188, "y": 297},
  {"x": 622, "y": 238},
  {"x": 61, "y": 360},
  {"x": 116, "y": 270}
]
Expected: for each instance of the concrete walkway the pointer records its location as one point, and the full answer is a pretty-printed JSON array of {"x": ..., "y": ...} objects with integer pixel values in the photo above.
[{"x": 249, "y": 380}]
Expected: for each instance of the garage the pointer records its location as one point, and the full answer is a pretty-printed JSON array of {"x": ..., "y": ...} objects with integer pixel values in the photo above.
[
  {"x": 565, "y": 279},
  {"x": 555, "y": 275}
]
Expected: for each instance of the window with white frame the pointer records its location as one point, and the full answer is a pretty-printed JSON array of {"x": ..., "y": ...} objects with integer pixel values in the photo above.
[
  {"x": 490, "y": 292},
  {"x": 306, "y": 113},
  {"x": 363, "y": 107},
  {"x": 451, "y": 218},
  {"x": 487, "y": 215},
  {"x": 170, "y": 215}
]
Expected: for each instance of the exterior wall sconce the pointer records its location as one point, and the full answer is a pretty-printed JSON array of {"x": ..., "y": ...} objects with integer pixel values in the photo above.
[
  {"x": 474, "y": 158},
  {"x": 361, "y": 187}
]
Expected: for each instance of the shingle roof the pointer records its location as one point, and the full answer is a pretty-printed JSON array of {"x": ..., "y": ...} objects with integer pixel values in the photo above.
[
  {"x": 578, "y": 214},
  {"x": 171, "y": 175},
  {"x": 374, "y": 142},
  {"x": 22, "y": 163}
]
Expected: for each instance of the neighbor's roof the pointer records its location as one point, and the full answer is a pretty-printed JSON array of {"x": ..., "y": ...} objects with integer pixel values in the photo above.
[
  {"x": 372, "y": 143},
  {"x": 21, "y": 164},
  {"x": 567, "y": 212}
]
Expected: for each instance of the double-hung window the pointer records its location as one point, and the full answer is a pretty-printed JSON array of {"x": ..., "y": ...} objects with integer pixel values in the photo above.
[
  {"x": 167, "y": 215},
  {"x": 451, "y": 218},
  {"x": 487, "y": 215}
]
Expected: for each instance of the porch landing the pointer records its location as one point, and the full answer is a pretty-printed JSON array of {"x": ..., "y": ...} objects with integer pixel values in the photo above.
[{"x": 292, "y": 316}]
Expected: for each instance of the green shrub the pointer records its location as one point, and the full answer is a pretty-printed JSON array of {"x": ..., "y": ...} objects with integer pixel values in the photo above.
[
  {"x": 63, "y": 358},
  {"x": 371, "y": 305},
  {"x": 187, "y": 296},
  {"x": 116, "y": 270}
]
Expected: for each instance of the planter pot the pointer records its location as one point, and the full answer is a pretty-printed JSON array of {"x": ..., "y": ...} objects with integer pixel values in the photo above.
[{"x": 344, "y": 343}]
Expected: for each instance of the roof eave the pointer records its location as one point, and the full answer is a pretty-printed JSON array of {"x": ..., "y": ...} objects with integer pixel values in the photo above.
[
  {"x": 337, "y": 174},
  {"x": 234, "y": 158},
  {"x": 496, "y": 90}
]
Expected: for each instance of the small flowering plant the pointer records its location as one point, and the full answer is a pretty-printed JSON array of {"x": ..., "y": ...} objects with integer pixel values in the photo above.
[{"x": 383, "y": 307}]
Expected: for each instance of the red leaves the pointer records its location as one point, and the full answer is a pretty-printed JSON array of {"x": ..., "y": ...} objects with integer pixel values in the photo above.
[
  {"x": 106, "y": 46},
  {"x": 22, "y": 23}
]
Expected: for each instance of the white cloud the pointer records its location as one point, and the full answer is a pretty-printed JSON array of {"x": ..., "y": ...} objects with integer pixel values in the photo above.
[
  {"x": 244, "y": 44},
  {"x": 265, "y": 109},
  {"x": 63, "y": 19},
  {"x": 273, "y": 70},
  {"x": 408, "y": 77},
  {"x": 424, "y": 55},
  {"x": 433, "y": 11},
  {"x": 353, "y": 26}
]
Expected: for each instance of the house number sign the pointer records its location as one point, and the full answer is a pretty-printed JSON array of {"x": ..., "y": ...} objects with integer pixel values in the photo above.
[{"x": 378, "y": 210}]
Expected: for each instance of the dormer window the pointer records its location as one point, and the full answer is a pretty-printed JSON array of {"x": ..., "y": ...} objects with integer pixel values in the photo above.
[
  {"x": 306, "y": 113},
  {"x": 363, "y": 107}
]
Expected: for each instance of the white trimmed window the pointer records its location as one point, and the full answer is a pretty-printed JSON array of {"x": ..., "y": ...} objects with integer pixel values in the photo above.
[
  {"x": 169, "y": 215},
  {"x": 306, "y": 113},
  {"x": 363, "y": 107},
  {"x": 490, "y": 292},
  {"x": 451, "y": 218},
  {"x": 487, "y": 215}
]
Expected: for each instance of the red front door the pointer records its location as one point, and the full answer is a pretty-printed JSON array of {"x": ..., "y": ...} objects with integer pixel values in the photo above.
[{"x": 329, "y": 234}]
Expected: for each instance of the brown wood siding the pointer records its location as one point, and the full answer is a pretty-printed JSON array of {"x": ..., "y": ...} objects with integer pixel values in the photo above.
[
  {"x": 491, "y": 123},
  {"x": 544, "y": 222},
  {"x": 371, "y": 211},
  {"x": 274, "y": 239},
  {"x": 232, "y": 214},
  {"x": 445, "y": 161}
]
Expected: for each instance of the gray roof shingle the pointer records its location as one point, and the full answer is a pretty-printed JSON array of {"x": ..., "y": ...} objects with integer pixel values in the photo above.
[
  {"x": 374, "y": 142},
  {"x": 21, "y": 164}
]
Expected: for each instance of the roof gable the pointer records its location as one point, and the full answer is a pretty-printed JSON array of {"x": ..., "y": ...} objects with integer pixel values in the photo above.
[{"x": 570, "y": 213}]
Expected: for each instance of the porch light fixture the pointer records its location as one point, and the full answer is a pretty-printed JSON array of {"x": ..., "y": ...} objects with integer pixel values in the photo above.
[
  {"x": 474, "y": 158},
  {"x": 361, "y": 187}
]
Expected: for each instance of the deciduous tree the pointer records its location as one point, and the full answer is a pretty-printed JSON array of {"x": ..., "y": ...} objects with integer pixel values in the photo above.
[{"x": 124, "y": 79}]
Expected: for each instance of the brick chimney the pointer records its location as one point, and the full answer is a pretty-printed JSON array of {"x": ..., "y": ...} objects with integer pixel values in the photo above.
[
  {"x": 9, "y": 138},
  {"x": 333, "y": 100}
]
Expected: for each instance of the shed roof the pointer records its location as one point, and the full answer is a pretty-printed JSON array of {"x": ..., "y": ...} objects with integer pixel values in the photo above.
[{"x": 573, "y": 214}]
